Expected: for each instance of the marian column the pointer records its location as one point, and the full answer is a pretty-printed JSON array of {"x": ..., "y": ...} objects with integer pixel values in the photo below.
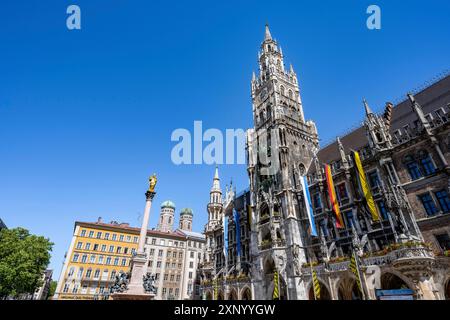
[{"x": 140, "y": 285}]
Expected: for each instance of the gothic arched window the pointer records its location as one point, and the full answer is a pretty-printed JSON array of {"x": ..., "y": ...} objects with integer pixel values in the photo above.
[
  {"x": 290, "y": 94},
  {"x": 282, "y": 90}
]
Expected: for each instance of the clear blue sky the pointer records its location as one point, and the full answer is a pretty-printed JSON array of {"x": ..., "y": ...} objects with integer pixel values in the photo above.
[{"x": 86, "y": 116}]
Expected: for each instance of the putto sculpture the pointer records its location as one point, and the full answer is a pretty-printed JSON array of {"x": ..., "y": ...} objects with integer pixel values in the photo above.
[
  {"x": 121, "y": 282},
  {"x": 149, "y": 283}
]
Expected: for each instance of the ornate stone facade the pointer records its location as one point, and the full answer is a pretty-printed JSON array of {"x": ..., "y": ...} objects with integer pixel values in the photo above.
[{"x": 404, "y": 152}]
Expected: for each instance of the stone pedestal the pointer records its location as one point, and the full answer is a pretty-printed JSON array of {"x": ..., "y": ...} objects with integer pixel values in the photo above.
[{"x": 135, "y": 287}]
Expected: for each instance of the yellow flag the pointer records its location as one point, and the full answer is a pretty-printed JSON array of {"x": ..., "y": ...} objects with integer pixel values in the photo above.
[
  {"x": 355, "y": 271},
  {"x": 276, "y": 294},
  {"x": 316, "y": 285},
  {"x": 365, "y": 188}
]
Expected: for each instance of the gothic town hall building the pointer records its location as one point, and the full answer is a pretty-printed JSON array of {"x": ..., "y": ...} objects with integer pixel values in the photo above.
[{"x": 405, "y": 153}]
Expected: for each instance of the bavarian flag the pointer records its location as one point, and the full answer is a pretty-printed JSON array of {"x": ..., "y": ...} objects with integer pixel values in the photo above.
[
  {"x": 316, "y": 285},
  {"x": 365, "y": 188},
  {"x": 276, "y": 293},
  {"x": 355, "y": 270},
  {"x": 333, "y": 198}
]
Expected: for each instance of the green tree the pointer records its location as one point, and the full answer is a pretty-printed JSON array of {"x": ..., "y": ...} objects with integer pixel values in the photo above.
[
  {"x": 52, "y": 289},
  {"x": 23, "y": 259}
]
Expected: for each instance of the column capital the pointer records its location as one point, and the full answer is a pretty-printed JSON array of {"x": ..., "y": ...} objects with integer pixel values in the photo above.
[{"x": 149, "y": 195}]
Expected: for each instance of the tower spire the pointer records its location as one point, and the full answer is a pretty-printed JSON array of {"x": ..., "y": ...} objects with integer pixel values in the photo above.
[
  {"x": 267, "y": 35},
  {"x": 366, "y": 106},
  {"x": 216, "y": 181}
]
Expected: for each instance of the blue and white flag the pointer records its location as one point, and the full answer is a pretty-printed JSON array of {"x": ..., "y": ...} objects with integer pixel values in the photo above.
[
  {"x": 225, "y": 237},
  {"x": 308, "y": 204},
  {"x": 238, "y": 231}
]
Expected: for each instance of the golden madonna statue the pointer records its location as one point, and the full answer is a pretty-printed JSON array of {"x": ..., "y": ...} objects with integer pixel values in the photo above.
[{"x": 152, "y": 181}]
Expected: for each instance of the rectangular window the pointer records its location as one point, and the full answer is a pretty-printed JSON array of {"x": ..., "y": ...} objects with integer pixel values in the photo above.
[
  {"x": 79, "y": 245},
  {"x": 88, "y": 273},
  {"x": 382, "y": 209},
  {"x": 317, "y": 202},
  {"x": 168, "y": 253},
  {"x": 153, "y": 241},
  {"x": 323, "y": 227},
  {"x": 84, "y": 258},
  {"x": 92, "y": 258},
  {"x": 374, "y": 181},
  {"x": 444, "y": 201},
  {"x": 180, "y": 255},
  {"x": 350, "y": 218},
  {"x": 125, "y": 250},
  {"x": 413, "y": 170},
  {"x": 124, "y": 262},
  {"x": 83, "y": 233},
  {"x": 150, "y": 263},
  {"x": 91, "y": 234},
  {"x": 427, "y": 165},
  {"x": 107, "y": 236},
  {"x": 428, "y": 204},
  {"x": 88, "y": 246},
  {"x": 128, "y": 238},
  {"x": 342, "y": 192},
  {"x": 100, "y": 259},
  {"x": 173, "y": 265},
  {"x": 121, "y": 237},
  {"x": 75, "y": 257},
  {"x": 97, "y": 274},
  {"x": 166, "y": 276},
  {"x": 152, "y": 252},
  {"x": 190, "y": 275},
  {"x": 191, "y": 264},
  {"x": 99, "y": 235},
  {"x": 103, "y": 247},
  {"x": 111, "y": 248},
  {"x": 114, "y": 237},
  {"x": 116, "y": 261},
  {"x": 444, "y": 241},
  {"x": 119, "y": 249},
  {"x": 162, "y": 242},
  {"x": 135, "y": 239},
  {"x": 108, "y": 260},
  {"x": 192, "y": 254},
  {"x": 95, "y": 247},
  {"x": 178, "y": 277},
  {"x": 160, "y": 253},
  {"x": 158, "y": 264}
]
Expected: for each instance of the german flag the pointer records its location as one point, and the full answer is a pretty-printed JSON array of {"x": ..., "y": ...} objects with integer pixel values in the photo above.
[
  {"x": 316, "y": 285},
  {"x": 355, "y": 270},
  {"x": 333, "y": 198},
  {"x": 276, "y": 293}
]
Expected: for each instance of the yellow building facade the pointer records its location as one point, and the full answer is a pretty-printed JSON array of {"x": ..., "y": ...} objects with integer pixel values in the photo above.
[{"x": 97, "y": 253}]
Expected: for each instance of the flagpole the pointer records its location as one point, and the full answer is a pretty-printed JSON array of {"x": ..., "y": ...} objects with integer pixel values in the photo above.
[{"x": 312, "y": 278}]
